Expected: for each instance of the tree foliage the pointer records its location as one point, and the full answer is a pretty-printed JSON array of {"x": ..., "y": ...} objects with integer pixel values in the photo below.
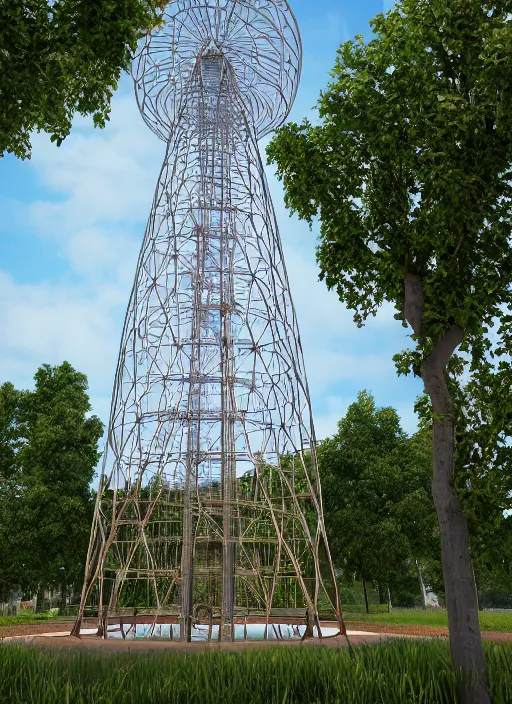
[
  {"x": 378, "y": 507},
  {"x": 59, "y": 57},
  {"x": 409, "y": 170},
  {"x": 49, "y": 445}
]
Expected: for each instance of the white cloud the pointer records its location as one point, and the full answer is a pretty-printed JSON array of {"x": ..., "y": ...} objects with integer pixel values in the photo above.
[
  {"x": 45, "y": 323},
  {"x": 104, "y": 254},
  {"x": 97, "y": 176},
  {"x": 98, "y": 190},
  {"x": 99, "y": 187}
]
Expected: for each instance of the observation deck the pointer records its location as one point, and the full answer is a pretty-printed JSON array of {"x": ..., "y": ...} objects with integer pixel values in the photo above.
[{"x": 258, "y": 39}]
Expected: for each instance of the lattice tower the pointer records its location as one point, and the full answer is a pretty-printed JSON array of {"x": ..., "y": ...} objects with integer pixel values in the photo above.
[{"x": 209, "y": 508}]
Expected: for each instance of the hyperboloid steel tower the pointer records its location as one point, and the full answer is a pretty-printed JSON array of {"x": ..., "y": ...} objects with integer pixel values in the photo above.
[{"x": 209, "y": 508}]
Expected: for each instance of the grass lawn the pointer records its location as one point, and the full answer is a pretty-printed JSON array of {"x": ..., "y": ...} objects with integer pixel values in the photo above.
[
  {"x": 412, "y": 672},
  {"x": 27, "y": 618},
  {"x": 489, "y": 620}
]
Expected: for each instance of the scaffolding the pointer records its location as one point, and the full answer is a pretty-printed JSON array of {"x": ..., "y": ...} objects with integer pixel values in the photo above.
[{"x": 209, "y": 506}]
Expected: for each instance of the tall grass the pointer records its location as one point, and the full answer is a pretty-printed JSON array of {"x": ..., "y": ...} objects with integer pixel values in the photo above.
[{"x": 400, "y": 672}]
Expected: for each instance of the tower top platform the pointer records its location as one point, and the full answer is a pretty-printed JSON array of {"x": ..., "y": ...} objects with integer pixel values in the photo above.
[{"x": 259, "y": 39}]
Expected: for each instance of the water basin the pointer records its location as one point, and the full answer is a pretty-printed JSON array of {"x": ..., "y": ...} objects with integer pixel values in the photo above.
[{"x": 252, "y": 631}]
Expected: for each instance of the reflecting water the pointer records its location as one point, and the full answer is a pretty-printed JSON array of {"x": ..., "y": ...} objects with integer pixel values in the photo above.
[{"x": 253, "y": 631}]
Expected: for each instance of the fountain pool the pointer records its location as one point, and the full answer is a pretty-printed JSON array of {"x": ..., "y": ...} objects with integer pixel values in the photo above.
[{"x": 252, "y": 631}]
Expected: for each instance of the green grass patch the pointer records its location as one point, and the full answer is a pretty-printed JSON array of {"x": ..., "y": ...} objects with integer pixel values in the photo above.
[
  {"x": 489, "y": 620},
  {"x": 27, "y": 618},
  {"x": 360, "y": 608},
  {"x": 401, "y": 672}
]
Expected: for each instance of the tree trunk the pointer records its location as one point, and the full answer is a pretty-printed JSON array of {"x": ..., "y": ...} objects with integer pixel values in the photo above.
[
  {"x": 390, "y": 605},
  {"x": 366, "y": 605},
  {"x": 459, "y": 580},
  {"x": 422, "y": 585},
  {"x": 40, "y": 599}
]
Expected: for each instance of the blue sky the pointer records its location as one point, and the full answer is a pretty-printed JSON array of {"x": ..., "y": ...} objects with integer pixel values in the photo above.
[{"x": 73, "y": 219}]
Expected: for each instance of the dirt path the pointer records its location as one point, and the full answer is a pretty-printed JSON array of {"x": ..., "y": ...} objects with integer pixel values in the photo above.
[
  {"x": 425, "y": 631},
  {"x": 375, "y": 628},
  {"x": 91, "y": 643},
  {"x": 44, "y": 627}
]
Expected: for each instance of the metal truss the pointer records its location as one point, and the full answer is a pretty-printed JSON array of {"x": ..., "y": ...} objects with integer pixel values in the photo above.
[{"x": 209, "y": 508}]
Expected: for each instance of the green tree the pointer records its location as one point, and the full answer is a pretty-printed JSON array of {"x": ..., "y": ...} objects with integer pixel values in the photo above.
[
  {"x": 9, "y": 430},
  {"x": 493, "y": 568},
  {"x": 483, "y": 474},
  {"x": 483, "y": 459},
  {"x": 378, "y": 509},
  {"x": 10, "y": 440},
  {"x": 60, "y": 57},
  {"x": 45, "y": 498},
  {"x": 409, "y": 173},
  {"x": 483, "y": 467}
]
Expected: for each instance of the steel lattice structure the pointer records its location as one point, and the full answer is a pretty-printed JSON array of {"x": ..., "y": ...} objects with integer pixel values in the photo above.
[{"x": 209, "y": 506}]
